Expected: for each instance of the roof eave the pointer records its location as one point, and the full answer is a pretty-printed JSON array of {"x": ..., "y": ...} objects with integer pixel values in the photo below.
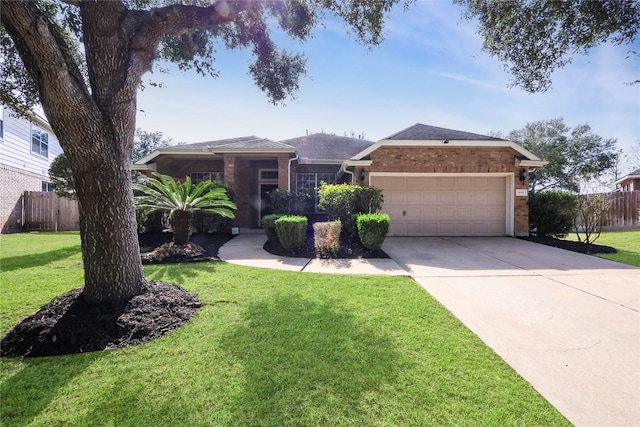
[{"x": 626, "y": 178}]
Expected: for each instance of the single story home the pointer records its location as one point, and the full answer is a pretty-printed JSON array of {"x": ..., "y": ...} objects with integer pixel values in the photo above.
[
  {"x": 629, "y": 182},
  {"x": 435, "y": 181}
]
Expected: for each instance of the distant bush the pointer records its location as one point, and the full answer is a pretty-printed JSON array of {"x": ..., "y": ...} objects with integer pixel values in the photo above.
[
  {"x": 291, "y": 231},
  {"x": 269, "y": 226},
  {"x": 552, "y": 213},
  {"x": 372, "y": 229},
  {"x": 326, "y": 237},
  {"x": 208, "y": 222},
  {"x": 288, "y": 203},
  {"x": 154, "y": 222}
]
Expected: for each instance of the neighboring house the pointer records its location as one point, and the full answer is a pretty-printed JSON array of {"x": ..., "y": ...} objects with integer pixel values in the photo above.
[
  {"x": 27, "y": 148},
  {"x": 630, "y": 182},
  {"x": 435, "y": 181}
]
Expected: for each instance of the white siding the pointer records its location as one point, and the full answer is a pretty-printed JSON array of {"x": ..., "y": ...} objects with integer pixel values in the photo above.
[{"x": 15, "y": 145}]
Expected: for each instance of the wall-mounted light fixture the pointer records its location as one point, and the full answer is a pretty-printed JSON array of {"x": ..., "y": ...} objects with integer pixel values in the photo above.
[
  {"x": 362, "y": 175},
  {"x": 523, "y": 175},
  {"x": 446, "y": 141}
]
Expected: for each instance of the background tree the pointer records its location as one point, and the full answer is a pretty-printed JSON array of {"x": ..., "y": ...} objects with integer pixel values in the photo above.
[
  {"x": 83, "y": 61},
  {"x": 147, "y": 142},
  {"x": 61, "y": 175},
  {"x": 574, "y": 155},
  {"x": 534, "y": 38}
]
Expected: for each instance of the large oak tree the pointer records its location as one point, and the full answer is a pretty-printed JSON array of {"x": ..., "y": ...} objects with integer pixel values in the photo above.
[
  {"x": 84, "y": 61},
  {"x": 533, "y": 38}
]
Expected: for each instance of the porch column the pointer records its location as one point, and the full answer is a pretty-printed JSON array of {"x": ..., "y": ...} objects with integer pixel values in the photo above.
[
  {"x": 283, "y": 165},
  {"x": 230, "y": 170}
]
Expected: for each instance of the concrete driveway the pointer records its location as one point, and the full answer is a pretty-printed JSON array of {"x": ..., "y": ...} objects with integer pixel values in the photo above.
[{"x": 567, "y": 323}]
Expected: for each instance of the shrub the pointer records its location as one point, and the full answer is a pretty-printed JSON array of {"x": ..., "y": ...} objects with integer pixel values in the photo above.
[
  {"x": 288, "y": 203},
  {"x": 552, "y": 213},
  {"x": 368, "y": 199},
  {"x": 337, "y": 200},
  {"x": 372, "y": 229},
  {"x": 291, "y": 231},
  {"x": 326, "y": 237},
  {"x": 269, "y": 226}
]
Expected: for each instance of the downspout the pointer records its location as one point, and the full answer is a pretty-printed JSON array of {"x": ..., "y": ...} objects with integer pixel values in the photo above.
[
  {"x": 353, "y": 177},
  {"x": 289, "y": 172}
]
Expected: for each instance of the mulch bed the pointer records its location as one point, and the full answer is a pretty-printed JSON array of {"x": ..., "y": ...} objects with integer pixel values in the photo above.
[
  {"x": 349, "y": 249},
  {"x": 68, "y": 325},
  {"x": 580, "y": 247}
]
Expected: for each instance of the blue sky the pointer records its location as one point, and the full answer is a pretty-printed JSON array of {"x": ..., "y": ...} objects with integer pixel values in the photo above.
[{"x": 429, "y": 70}]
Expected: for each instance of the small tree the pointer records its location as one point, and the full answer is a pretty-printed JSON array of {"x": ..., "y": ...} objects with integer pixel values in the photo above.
[
  {"x": 61, "y": 175},
  {"x": 181, "y": 199},
  {"x": 591, "y": 213}
]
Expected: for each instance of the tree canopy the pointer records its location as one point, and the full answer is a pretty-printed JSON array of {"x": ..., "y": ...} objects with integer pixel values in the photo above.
[
  {"x": 533, "y": 38},
  {"x": 84, "y": 61},
  {"x": 575, "y": 155}
]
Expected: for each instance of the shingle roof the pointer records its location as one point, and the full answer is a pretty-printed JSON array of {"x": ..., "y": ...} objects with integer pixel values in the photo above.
[
  {"x": 433, "y": 133},
  {"x": 322, "y": 146},
  {"x": 635, "y": 173},
  {"x": 242, "y": 143}
]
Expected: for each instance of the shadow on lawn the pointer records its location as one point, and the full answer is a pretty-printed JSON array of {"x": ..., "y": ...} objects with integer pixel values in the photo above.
[
  {"x": 179, "y": 272},
  {"x": 32, "y": 388},
  {"x": 38, "y": 259},
  {"x": 309, "y": 362}
]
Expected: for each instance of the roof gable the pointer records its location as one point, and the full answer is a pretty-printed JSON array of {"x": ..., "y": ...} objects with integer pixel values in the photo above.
[
  {"x": 433, "y": 133},
  {"x": 420, "y": 135}
]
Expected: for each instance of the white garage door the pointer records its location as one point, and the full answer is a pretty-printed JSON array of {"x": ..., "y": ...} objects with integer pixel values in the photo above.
[{"x": 444, "y": 206}]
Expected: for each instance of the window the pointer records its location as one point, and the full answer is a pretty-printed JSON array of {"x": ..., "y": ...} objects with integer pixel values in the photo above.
[
  {"x": 46, "y": 187},
  {"x": 268, "y": 175},
  {"x": 198, "y": 177},
  {"x": 1, "y": 121},
  {"x": 39, "y": 141},
  {"x": 308, "y": 182}
]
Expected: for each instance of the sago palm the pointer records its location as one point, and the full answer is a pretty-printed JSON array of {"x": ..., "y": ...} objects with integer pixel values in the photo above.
[{"x": 181, "y": 199}]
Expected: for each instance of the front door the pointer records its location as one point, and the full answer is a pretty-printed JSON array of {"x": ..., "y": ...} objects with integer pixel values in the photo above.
[{"x": 265, "y": 209}]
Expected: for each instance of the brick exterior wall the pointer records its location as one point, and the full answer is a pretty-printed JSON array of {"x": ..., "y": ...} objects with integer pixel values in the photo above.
[
  {"x": 454, "y": 160},
  {"x": 13, "y": 183}
]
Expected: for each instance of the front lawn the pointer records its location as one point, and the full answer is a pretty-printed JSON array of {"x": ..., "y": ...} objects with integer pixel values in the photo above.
[
  {"x": 626, "y": 242},
  {"x": 268, "y": 348}
]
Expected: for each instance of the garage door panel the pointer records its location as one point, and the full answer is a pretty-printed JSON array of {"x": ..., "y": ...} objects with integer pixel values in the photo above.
[{"x": 441, "y": 206}]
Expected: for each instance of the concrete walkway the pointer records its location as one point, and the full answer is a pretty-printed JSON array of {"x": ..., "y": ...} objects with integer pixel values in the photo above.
[
  {"x": 568, "y": 323},
  {"x": 246, "y": 249}
]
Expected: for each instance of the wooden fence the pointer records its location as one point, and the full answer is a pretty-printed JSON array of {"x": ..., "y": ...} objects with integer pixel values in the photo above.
[
  {"x": 624, "y": 210},
  {"x": 49, "y": 212}
]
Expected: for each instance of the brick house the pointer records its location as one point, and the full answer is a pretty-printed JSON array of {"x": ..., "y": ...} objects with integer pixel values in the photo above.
[
  {"x": 629, "y": 182},
  {"x": 436, "y": 181},
  {"x": 27, "y": 148}
]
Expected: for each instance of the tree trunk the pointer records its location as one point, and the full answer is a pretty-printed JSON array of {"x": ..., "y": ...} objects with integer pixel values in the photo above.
[
  {"x": 181, "y": 227},
  {"x": 108, "y": 230}
]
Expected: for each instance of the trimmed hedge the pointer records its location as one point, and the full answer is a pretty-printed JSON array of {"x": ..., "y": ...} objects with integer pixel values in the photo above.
[
  {"x": 372, "y": 229},
  {"x": 269, "y": 226},
  {"x": 291, "y": 231},
  {"x": 326, "y": 237},
  {"x": 552, "y": 213}
]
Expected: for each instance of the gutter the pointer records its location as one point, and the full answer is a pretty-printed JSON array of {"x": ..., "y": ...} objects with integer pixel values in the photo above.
[{"x": 289, "y": 172}]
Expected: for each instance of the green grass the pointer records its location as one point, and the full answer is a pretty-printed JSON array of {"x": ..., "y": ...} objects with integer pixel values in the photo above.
[
  {"x": 268, "y": 348},
  {"x": 626, "y": 242}
]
